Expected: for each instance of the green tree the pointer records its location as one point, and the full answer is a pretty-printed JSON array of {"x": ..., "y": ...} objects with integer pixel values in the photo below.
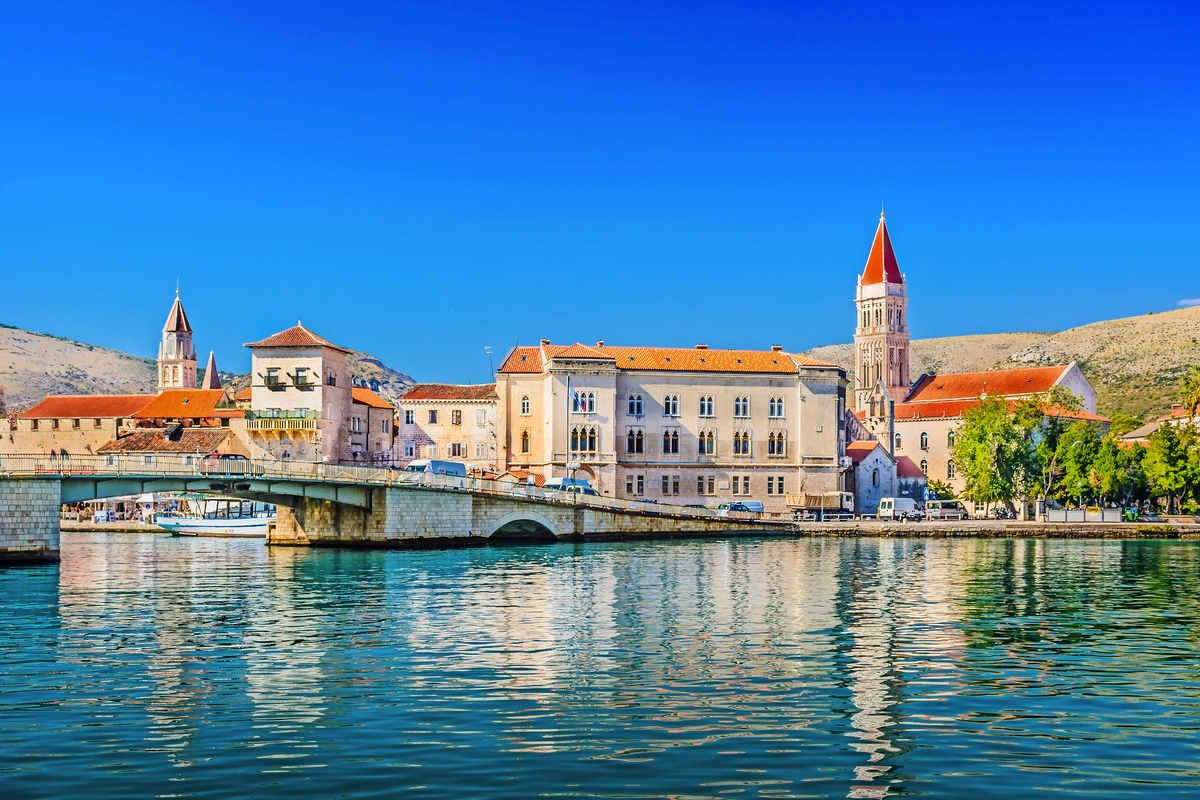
[
  {"x": 1076, "y": 453},
  {"x": 992, "y": 453},
  {"x": 1166, "y": 464},
  {"x": 941, "y": 490},
  {"x": 1117, "y": 471},
  {"x": 1121, "y": 424},
  {"x": 1189, "y": 390}
]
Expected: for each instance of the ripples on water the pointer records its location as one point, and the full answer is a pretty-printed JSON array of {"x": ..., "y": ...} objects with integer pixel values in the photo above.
[{"x": 148, "y": 666}]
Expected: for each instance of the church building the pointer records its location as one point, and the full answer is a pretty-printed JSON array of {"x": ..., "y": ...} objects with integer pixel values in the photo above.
[{"x": 918, "y": 419}]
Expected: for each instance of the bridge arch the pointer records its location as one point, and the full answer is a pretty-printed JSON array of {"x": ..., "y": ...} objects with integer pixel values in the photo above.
[{"x": 525, "y": 525}]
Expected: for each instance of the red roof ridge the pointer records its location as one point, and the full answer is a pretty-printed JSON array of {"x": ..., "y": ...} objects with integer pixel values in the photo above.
[
  {"x": 368, "y": 397},
  {"x": 450, "y": 391},
  {"x": 88, "y": 405},
  {"x": 297, "y": 336}
]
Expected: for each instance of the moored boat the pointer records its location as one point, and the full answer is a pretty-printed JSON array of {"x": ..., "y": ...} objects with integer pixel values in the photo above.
[{"x": 219, "y": 517}]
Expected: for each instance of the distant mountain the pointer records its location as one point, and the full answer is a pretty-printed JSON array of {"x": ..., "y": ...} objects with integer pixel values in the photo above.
[
  {"x": 33, "y": 365},
  {"x": 1135, "y": 363}
]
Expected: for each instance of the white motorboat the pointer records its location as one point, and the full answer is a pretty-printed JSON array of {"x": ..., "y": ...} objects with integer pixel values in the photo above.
[{"x": 219, "y": 516}]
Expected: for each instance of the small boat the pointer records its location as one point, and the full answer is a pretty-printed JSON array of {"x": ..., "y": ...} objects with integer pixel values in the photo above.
[{"x": 219, "y": 516}]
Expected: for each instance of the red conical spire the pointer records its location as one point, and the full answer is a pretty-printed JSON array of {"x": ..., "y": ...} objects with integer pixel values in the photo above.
[
  {"x": 212, "y": 379},
  {"x": 881, "y": 264},
  {"x": 177, "y": 321}
]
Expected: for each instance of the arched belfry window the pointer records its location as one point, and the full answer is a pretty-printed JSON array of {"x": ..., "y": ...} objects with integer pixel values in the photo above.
[{"x": 924, "y": 440}]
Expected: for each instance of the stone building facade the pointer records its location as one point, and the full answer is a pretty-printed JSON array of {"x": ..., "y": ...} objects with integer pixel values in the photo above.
[
  {"x": 449, "y": 422},
  {"x": 675, "y": 425},
  {"x": 372, "y": 428},
  {"x": 300, "y": 398}
]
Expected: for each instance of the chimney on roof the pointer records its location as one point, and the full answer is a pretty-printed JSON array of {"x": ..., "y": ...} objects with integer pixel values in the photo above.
[
  {"x": 599, "y": 343},
  {"x": 701, "y": 347},
  {"x": 776, "y": 348},
  {"x": 545, "y": 342}
]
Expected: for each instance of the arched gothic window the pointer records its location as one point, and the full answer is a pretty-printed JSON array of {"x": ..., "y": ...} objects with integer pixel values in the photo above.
[
  {"x": 525, "y": 406},
  {"x": 706, "y": 443},
  {"x": 898, "y": 441},
  {"x": 671, "y": 405},
  {"x": 949, "y": 470},
  {"x": 635, "y": 405},
  {"x": 776, "y": 443},
  {"x": 670, "y": 442},
  {"x": 950, "y": 439},
  {"x": 706, "y": 406},
  {"x": 874, "y": 477},
  {"x": 524, "y": 441},
  {"x": 924, "y": 440},
  {"x": 775, "y": 408},
  {"x": 924, "y": 466},
  {"x": 741, "y": 406},
  {"x": 635, "y": 442}
]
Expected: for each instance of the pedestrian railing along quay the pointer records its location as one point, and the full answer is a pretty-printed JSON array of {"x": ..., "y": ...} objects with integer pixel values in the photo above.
[{"x": 229, "y": 475}]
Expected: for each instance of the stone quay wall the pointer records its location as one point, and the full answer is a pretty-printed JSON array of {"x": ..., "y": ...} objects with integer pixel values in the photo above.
[{"x": 29, "y": 520}]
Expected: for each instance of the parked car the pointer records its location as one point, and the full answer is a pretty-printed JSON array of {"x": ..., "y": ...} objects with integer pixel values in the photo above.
[
  {"x": 945, "y": 509},
  {"x": 228, "y": 464},
  {"x": 745, "y": 506},
  {"x": 901, "y": 508}
]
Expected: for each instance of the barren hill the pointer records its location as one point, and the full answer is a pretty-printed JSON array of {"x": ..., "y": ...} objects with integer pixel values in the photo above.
[
  {"x": 33, "y": 365},
  {"x": 1135, "y": 363}
]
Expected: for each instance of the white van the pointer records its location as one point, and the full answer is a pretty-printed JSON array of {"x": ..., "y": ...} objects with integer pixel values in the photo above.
[
  {"x": 745, "y": 506},
  {"x": 901, "y": 508},
  {"x": 449, "y": 468}
]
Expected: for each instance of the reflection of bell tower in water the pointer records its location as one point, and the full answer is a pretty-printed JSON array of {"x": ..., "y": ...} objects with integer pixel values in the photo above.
[
  {"x": 176, "y": 353},
  {"x": 881, "y": 336}
]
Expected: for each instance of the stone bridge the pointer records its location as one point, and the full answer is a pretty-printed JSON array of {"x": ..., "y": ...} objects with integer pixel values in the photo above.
[{"x": 329, "y": 505}]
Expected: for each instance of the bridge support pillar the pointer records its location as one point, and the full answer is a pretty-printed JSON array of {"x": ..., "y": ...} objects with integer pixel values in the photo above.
[{"x": 29, "y": 520}]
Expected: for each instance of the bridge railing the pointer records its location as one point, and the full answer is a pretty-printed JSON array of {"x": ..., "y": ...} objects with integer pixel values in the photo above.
[{"x": 234, "y": 471}]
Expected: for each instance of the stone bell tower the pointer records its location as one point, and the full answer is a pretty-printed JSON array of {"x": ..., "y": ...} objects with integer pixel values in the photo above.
[
  {"x": 881, "y": 336},
  {"x": 176, "y": 353}
]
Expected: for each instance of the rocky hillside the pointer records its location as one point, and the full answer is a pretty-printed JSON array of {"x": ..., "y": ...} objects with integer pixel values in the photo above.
[
  {"x": 1135, "y": 363},
  {"x": 33, "y": 365}
]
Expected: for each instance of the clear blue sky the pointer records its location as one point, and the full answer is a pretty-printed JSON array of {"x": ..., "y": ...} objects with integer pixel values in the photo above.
[{"x": 422, "y": 180}]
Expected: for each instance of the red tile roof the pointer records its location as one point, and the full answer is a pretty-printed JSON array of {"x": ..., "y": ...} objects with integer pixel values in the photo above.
[
  {"x": 907, "y": 468},
  {"x": 523, "y": 476},
  {"x": 951, "y": 409},
  {"x": 191, "y": 440},
  {"x": 450, "y": 391},
  {"x": 366, "y": 397},
  {"x": 664, "y": 359},
  {"x": 177, "y": 321},
  {"x": 189, "y": 404},
  {"x": 971, "y": 385},
  {"x": 103, "y": 406},
  {"x": 297, "y": 336},
  {"x": 245, "y": 394},
  {"x": 881, "y": 263},
  {"x": 861, "y": 449}
]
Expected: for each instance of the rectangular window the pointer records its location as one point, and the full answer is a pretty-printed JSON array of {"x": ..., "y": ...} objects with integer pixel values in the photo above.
[
  {"x": 148, "y": 461},
  {"x": 628, "y": 484},
  {"x": 431, "y": 450},
  {"x": 433, "y": 416},
  {"x": 746, "y": 485},
  {"x": 409, "y": 449},
  {"x": 456, "y": 417},
  {"x": 75, "y": 424},
  {"x": 110, "y": 461},
  {"x": 410, "y": 417},
  {"x": 699, "y": 484},
  {"x": 480, "y": 450},
  {"x": 271, "y": 379},
  {"x": 779, "y": 485},
  {"x": 770, "y": 485},
  {"x": 711, "y": 484},
  {"x": 675, "y": 485},
  {"x": 302, "y": 376},
  {"x": 96, "y": 423},
  {"x": 385, "y": 425},
  {"x": 54, "y": 424},
  {"x": 33, "y": 424},
  {"x": 480, "y": 417},
  {"x": 641, "y": 484},
  {"x": 666, "y": 484}
]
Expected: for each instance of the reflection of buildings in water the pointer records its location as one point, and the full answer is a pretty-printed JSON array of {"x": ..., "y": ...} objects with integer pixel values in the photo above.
[
  {"x": 904, "y": 616},
  {"x": 282, "y": 646},
  {"x": 871, "y": 627}
]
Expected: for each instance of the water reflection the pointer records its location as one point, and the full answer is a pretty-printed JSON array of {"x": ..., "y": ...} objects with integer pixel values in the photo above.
[{"x": 828, "y": 668}]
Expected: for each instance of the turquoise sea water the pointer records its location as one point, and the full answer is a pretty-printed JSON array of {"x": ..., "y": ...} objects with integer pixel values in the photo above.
[{"x": 148, "y": 666}]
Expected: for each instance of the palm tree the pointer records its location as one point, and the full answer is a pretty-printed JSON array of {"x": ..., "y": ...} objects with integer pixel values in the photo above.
[{"x": 1190, "y": 390}]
